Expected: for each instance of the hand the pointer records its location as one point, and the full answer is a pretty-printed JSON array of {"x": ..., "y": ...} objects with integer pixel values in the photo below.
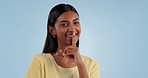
[{"x": 72, "y": 53}]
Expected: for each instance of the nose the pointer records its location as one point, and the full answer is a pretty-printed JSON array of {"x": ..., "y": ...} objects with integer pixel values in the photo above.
[{"x": 72, "y": 30}]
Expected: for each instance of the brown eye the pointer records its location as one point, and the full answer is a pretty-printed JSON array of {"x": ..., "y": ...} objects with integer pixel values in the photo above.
[
  {"x": 76, "y": 23},
  {"x": 64, "y": 24}
]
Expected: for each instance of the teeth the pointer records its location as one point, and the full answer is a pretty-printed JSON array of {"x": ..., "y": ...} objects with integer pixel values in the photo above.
[
  {"x": 71, "y": 35},
  {"x": 74, "y": 34}
]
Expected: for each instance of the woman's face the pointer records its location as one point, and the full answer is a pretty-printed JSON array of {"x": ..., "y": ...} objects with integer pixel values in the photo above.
[{"x": 67, "y": 28}]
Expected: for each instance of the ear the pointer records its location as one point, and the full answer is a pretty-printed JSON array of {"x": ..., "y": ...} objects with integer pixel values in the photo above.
[{"x": 52, "y": 30}]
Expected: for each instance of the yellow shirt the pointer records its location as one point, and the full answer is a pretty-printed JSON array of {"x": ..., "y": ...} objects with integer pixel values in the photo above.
[{"x": 44, "y": 66}]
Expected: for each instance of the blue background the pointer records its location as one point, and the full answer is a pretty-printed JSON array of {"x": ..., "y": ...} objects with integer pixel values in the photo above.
[{"x": 114, "y": 33}]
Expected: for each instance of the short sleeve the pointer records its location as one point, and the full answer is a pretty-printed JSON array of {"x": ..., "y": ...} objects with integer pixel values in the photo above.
[
  {"x": 34, "y": 70},
  {"x": 95, "y": 72}
]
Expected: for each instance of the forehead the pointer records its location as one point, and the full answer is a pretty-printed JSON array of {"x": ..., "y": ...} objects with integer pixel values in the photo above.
[{"x": 69, "y": 16}]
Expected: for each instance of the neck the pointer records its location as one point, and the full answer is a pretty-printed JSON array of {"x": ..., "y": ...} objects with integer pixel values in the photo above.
[{"x": 61, "y": 46}]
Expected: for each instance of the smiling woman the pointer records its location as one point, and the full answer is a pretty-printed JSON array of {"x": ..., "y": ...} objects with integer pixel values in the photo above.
[{"x": 60, "y": 57}]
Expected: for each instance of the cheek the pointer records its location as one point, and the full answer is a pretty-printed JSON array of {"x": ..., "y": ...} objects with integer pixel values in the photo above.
[
  {"x": 61, "y": 31},
  {"x": 79, "y": 29}
]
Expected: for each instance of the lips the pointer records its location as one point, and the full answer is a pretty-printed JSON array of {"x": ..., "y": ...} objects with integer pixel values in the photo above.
[{"x": 71, "y": 35}]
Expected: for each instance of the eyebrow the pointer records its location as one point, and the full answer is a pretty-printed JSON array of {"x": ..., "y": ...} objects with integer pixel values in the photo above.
[
  {"x": 76, "y": 19},
  {"x": 67, "y": 21}
]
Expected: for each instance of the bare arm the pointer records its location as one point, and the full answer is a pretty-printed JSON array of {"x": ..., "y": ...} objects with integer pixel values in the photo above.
[{"x": 82, "y": 71}]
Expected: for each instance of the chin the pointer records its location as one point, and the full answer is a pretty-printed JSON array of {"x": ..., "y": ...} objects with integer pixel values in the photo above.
[{"x": 68, "y": 42}]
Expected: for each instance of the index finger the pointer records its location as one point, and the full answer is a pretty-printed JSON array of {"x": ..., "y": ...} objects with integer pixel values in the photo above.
[{"x": 73, "y": 41}]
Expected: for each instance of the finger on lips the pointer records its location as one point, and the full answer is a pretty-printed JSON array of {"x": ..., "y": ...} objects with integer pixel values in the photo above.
[
  {"x": 73, "y": 41},
  {"x": 70, "y": 49}
]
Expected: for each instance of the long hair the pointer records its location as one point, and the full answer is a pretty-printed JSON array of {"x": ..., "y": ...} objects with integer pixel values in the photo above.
[{"x": 51, "y": 43}]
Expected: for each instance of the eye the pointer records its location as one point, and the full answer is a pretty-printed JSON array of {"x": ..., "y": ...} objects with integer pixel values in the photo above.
[
  {"x": 76, "y": 23},
  {"x": 64, "y": 24}
]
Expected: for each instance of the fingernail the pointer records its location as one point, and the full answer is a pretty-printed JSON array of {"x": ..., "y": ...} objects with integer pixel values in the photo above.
[
  {"x": 61, "y": 51},
  {"x": 63, "y": 54},
  {"x": 56, "y": 53}
]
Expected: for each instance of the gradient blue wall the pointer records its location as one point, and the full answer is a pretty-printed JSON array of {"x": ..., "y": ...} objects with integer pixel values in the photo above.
[{"x": 114, "y": 33}]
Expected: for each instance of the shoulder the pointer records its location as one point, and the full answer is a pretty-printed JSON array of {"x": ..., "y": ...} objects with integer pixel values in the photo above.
[
  {"x": 86, "y": 59},
  {"x": 92, "y": 67},
  {"x": 89, "y": 62},
  {"x": 41, "y": 57}
]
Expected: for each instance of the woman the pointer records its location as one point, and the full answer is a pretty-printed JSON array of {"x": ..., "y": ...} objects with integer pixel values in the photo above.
[{"x": 61, "y": 57}]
